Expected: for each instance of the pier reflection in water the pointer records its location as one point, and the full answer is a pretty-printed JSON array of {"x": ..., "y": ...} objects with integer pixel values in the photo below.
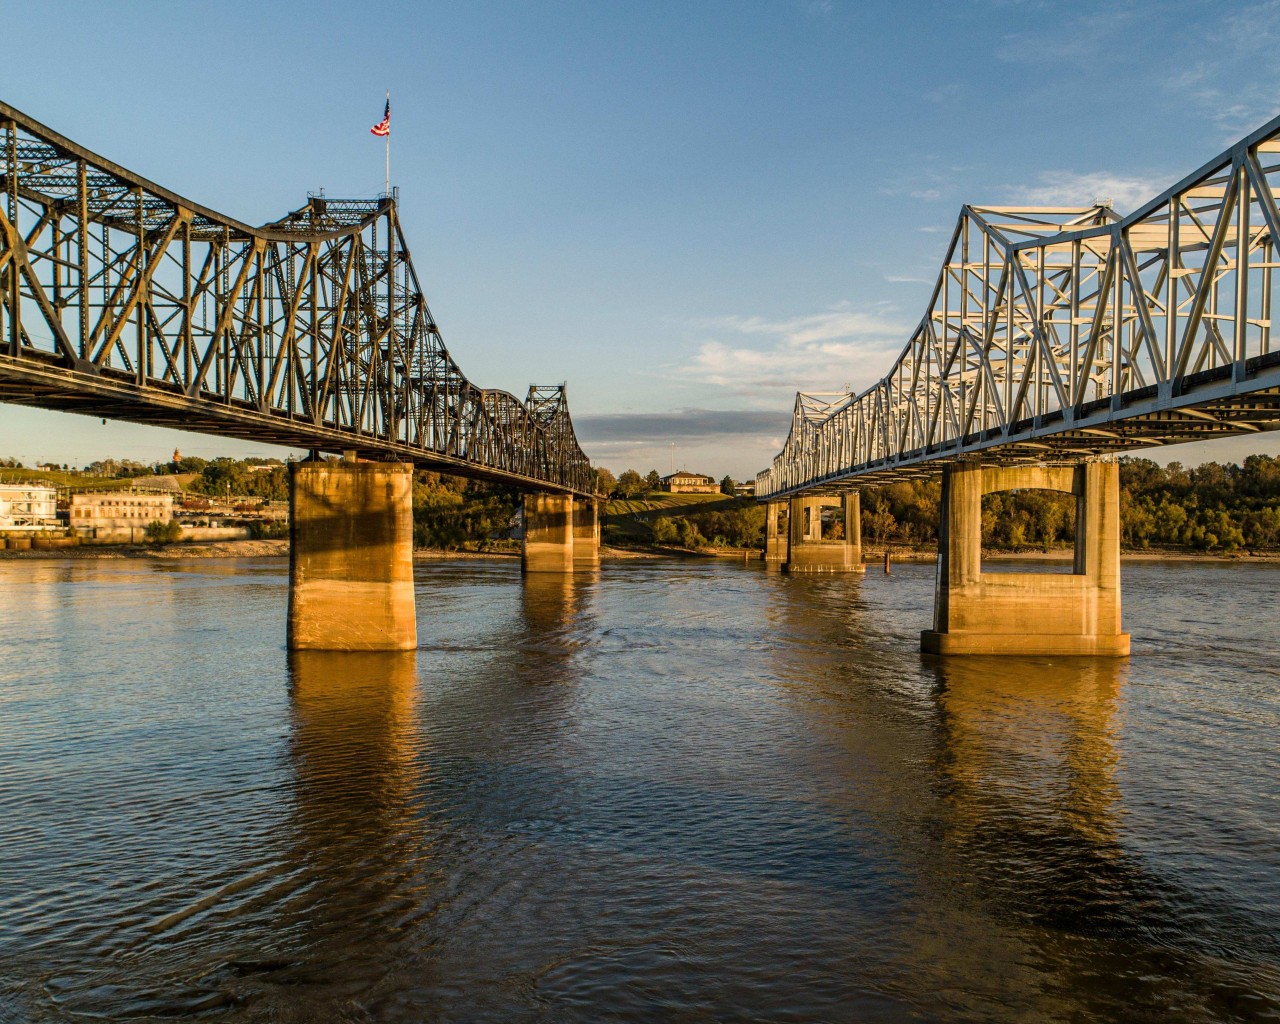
[
  {"x": 362, "y": 840},
  {"x": 655, "y": 792}
]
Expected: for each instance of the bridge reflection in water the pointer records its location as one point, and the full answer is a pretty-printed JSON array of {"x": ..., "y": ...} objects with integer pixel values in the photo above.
[
  {"x": 996, "y": 784},
  {"x": 361, "y": 837}
]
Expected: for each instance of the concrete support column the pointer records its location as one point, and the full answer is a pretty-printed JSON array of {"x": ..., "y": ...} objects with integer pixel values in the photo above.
[
  {"x": 809, "y": 552},
  {"x": 775, "y": 533},
  {"x": 586, "y": 533},
  {"x": 978, "y": 612},
  {"x": 548, "y": 533},
  {"x": 351, "y": 557}
]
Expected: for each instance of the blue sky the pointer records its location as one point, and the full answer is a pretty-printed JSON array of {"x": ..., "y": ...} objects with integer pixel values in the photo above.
[{"x": 687, "y": 211}]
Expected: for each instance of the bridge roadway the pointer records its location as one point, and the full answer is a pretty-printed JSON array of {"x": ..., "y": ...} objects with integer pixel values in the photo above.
[
  {"x": 123, "y": 300},
  {"x": 1054, "y": 339}
]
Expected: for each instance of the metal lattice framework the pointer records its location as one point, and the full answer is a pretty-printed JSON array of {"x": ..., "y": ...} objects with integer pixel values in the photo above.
[
  {"x": 121, "y": 299},
  {"x": 1054, "y": 334}
]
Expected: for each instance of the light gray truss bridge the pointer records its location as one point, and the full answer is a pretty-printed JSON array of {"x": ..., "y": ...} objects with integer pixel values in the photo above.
[{"x": 1055, "y": 335}]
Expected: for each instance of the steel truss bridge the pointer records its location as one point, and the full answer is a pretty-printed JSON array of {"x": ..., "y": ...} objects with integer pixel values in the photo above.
[
  {"x": 121, "y": 299},
  {"x": 1058, "y": 334}
]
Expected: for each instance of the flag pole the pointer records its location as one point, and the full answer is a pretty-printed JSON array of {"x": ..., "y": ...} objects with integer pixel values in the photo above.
[{"x": 388, "y": 178}]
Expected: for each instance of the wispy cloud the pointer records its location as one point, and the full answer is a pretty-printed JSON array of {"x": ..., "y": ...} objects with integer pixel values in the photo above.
[
  {"x": 949, "y": 95},
  {"x": 1072, "y": 188},
  {"x": 1252, "y": 35},
  {"x": 1080, "y": 39},
  {"x": 736, "y": 441},
  {"x": 681, "y": 425},
  {"x": 905, "y": 279},
  {"x": 754, "y": 355}
]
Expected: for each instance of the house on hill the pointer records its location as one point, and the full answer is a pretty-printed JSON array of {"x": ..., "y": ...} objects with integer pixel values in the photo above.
[{"x": 682, "y": 482}]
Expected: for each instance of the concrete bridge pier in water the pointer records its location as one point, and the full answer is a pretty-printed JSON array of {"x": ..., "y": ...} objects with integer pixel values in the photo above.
[
  {"x": 799, "y": 539},
  {"x": 977, "y": 612},
  {"x": 351, "y": 552},
  {"x": 561, "y": 533},
  {"x": 351, "y": 556}
]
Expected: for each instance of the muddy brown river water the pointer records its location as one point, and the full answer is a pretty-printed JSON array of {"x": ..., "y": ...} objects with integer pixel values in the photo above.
[{"x": 664, "y": 792}]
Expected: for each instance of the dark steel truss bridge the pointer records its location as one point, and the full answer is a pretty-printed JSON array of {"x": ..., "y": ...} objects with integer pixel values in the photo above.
[{"x": 121, "y": 299}]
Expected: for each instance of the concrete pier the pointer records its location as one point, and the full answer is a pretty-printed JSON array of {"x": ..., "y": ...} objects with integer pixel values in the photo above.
[
  {"x": 351, "y": 557},
  {"x": 775, "y": 534},
  {"x": 586, "y": 533},
  {"x": 548, "y": 533},
  {"x": 978, "y": 612},
  {"x": 808, "y": 551}
]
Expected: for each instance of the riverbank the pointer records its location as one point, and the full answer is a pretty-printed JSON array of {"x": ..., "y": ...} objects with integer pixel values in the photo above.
[
  {"x": 214, "y": 549},
  {"x": 871, "y": 555}
]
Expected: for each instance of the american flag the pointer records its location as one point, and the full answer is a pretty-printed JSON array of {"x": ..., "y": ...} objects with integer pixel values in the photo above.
[{"x": 383, "y": 127}]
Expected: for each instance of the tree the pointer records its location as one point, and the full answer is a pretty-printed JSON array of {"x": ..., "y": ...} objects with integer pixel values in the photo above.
[
  {"x": 163, "y": 533},
  {"x": 605, "y": 482},
  {"x": 664, "y": 531},
  {"x": 687, "y": 533},
  {"x": 727, "y": 486},
  {"x": 630, "y": 484},
  {"x": 652, "y": 481}
]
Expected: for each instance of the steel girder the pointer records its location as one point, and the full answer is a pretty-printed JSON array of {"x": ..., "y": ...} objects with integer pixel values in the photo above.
[
  {"x": 121, "y": 299},
  {"x": 1054, "y": 334}
]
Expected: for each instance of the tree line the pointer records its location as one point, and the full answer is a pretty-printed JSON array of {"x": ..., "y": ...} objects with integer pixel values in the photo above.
[
  {"x": 630, "y": 484},
  {"x": 1217, "y": 507}
]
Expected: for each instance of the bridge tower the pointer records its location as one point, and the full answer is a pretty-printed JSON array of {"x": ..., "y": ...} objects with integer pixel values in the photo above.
[{"x": 977, "y": 612}]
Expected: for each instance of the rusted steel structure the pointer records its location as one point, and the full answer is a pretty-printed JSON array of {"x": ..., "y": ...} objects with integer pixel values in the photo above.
[
  {"x": 121, "y": 299},
  {"x": 1055, "y": 335}
]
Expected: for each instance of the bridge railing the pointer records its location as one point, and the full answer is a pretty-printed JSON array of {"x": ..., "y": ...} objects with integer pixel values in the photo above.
[
  {"x": 1062, "y": 332},
  {"x": 121, "y": 298}
]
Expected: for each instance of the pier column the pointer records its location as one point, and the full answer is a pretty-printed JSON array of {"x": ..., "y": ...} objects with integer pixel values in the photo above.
[
  {"x": 548, "y": 533},
  {"x": 586, "y": 533},
  {"x": 775, "y": 534},
  {"x": 978, "y": 612},
  {"x": 808, "y": 551},
  {"x": 351, "y": 557}
]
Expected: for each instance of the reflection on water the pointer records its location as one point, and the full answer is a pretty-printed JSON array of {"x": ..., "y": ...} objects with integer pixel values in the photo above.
[
  {"x": 1030, "y": 750},
  {"x": 551, "y": 599},
  {"x": 650, "y": 792},
  {"x": 359, "y": 832}
]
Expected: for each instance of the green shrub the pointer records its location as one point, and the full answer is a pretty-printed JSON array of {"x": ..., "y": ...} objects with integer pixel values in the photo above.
[{"x": 163, "y": 533}]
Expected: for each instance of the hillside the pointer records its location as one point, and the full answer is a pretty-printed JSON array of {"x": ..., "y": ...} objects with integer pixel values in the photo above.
[
  {"x": 631, "y": 520},
  {"x": 654, "y": 503},
  {"x": 63, "y": 478}
]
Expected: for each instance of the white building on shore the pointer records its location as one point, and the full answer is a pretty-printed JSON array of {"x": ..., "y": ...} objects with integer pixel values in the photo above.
[
  {"x": 118, "y": 516},
  {"x": 28, "y": 507}
]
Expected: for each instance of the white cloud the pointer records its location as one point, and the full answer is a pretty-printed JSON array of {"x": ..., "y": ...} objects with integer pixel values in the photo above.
[
  {"x": 1237, "y": 103},
  {"x": 929, "y": 194},
  {"x": 905, "y": 279},
  {"x": 757, "y": 356},
  {"x": 1070, "y": 188}
]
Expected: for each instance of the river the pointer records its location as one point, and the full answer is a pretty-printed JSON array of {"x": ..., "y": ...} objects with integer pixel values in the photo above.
[{"x": 663, "y": 792}]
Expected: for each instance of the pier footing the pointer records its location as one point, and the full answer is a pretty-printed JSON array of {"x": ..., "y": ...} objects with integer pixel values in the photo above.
[
  {"x": 808, "y": 550},
  {"x": 548, "y": 533},
  {"x": 978, "y": 612},
  {"x": 351, "y": 557},
  {"x": 586, "y": 534}
]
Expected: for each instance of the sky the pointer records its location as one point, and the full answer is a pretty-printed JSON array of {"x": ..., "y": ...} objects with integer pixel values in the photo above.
[{"x": 687, "y": 211}]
